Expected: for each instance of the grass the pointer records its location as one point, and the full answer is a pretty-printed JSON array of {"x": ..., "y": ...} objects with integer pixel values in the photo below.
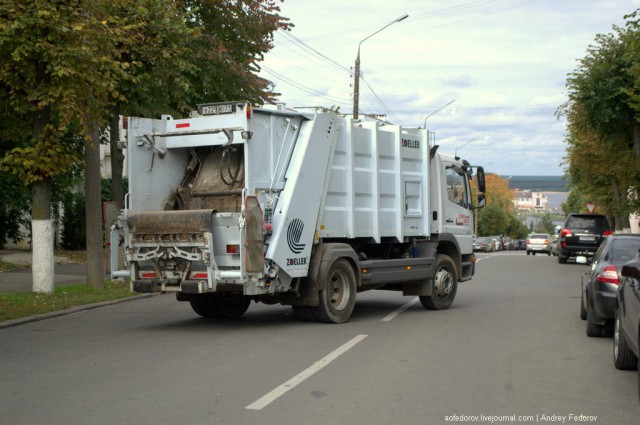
[{"x": 25, "y": 304}]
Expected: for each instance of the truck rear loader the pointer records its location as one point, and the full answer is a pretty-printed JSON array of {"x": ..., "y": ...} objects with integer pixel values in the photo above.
[{"x": 238, "y": 204}]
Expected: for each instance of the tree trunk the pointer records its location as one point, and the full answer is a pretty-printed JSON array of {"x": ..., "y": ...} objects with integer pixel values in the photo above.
[
  {"x": 117, "y": 159},
  {"x": 93, "y": 209},
  {"x": 636, "y": 140},
  {"x": 42, "y": 238},
  {"x": 41, "y": 223}
]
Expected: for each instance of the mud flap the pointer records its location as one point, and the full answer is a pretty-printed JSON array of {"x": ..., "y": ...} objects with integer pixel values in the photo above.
[{"x": 254, "y": 239}]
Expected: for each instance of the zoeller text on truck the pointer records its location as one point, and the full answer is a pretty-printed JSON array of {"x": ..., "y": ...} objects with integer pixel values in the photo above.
[{"x": 238, "y": 204}]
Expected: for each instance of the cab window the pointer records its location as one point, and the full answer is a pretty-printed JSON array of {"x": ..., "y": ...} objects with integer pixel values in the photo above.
[{"x": 457, "y": 187}]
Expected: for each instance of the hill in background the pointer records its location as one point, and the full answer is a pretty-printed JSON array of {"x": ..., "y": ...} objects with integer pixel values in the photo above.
[{"x": 538, "y": 183}]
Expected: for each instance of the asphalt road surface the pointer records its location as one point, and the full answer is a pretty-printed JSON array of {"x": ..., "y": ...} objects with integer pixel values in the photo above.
[{"x": 512, "y": 349}]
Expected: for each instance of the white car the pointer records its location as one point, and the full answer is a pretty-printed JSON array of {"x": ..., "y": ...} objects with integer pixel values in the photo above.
[{"x": 539, "y": 242}]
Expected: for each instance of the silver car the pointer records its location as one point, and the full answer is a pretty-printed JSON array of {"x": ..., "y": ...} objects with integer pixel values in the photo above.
[{"x": 539, "y": 242}]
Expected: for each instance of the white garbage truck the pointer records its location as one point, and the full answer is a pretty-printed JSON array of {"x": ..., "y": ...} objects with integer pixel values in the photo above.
[{"x": 238, "y": 204}]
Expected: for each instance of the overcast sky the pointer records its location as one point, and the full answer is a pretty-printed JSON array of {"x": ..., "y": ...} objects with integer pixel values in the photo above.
[{"x": 503, "y": 63}]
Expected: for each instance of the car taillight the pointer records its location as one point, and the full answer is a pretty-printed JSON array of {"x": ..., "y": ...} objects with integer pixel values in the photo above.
[
  {"x": 546, "y": 241},
  {"x": 565, "y": 233},
  {"x": 607, "y": 233},
  {"x": 608, "y": 275},
  {"x": 528, "y": 241}
]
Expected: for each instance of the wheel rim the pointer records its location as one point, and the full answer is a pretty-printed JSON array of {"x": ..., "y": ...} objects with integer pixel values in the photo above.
[
  {"x": 339, "y": 290},
  {"x": 443, "y": 282}
]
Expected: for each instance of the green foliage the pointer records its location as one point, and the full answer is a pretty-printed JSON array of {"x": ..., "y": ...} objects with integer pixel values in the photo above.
[
  {"x": 603, "y": 155},
  {"x": 546, "y": 225},
  {"x": 492, "y": 220}
]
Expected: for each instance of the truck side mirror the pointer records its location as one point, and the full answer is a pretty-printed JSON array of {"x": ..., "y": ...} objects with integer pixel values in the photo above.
[
  {"x": 481, "y": 201},
  {"x": 480, "y": 180}
]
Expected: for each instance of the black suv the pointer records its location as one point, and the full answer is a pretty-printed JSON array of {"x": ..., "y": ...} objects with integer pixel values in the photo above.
[{"x": 581, "y": 235}]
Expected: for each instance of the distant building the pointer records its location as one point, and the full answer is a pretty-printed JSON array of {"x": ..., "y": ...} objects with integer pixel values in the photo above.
[{"x": 527, "y": 200}]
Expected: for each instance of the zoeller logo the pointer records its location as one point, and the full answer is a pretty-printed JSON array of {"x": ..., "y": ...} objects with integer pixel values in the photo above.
[{"x": 294, "y": 233}]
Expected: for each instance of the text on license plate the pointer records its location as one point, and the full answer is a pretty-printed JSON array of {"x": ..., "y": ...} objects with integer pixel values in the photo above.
[{"x": 588, "y": 238}]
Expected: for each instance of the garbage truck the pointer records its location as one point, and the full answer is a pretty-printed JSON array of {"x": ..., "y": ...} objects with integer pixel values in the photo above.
[{"x": 238, "y": 204}]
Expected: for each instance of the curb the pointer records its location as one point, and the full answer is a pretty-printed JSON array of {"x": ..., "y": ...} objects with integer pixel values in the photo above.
[{"x": 71, "y": 310}]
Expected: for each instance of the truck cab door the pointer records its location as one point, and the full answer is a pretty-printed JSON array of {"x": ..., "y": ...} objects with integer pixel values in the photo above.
[{"x": 457, "y": 206}]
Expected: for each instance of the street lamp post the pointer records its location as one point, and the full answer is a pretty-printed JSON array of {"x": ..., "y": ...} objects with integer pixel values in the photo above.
[
  {"x": 455, "y": 153},
  {"x": 356, "y": 83},
  {"x": 435, "y": 112}
]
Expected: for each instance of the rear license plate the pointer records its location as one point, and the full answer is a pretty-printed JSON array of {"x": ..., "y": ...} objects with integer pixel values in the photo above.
[{"x": 587, "y": 238}]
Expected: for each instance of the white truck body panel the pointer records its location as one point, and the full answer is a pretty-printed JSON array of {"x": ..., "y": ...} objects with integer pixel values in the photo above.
[{"x": 315, "y": 177}]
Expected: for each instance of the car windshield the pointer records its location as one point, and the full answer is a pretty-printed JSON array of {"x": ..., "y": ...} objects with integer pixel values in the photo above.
[
  {"x": 539, "y": 236},
  {"x": 594, "y": 223},
  {"x": 624, "y": 250}
]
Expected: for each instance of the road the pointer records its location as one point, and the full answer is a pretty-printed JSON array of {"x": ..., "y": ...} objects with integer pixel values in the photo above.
[{"x": 511, "y": 345}]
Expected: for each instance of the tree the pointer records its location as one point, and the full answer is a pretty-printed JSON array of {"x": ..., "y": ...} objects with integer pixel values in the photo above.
[
  {"x": 492, "y": 220},
  {"x": 56, "y": 75},
  {"x": 604, "y": 130},
  {"x": 498, "y": 192}
]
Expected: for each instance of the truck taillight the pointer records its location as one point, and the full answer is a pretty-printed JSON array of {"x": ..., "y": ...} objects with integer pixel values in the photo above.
[
  {"x": 248, "y": 111},
  {"x": 608, "y": 275},
  {"x": 233, "y": 249},
  {"x": 183, "y": 125},
  {"x": 148, "y": 275},
  {"x": 199, "y": 275}
]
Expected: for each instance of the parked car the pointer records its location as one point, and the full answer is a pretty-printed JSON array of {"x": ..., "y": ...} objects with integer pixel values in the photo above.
[
  {"x": 600, "y": 283},
  {"x": 581, "y": 234},
  {"x": 539, "y": 242},
  {"x": 626, "y": 347},
  {"x": 482, "y": 245}
]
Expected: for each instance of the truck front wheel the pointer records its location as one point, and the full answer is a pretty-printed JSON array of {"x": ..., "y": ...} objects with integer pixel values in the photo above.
[
  {"x": 338, "y": 298},
  {"x": 444, "y": 285}
]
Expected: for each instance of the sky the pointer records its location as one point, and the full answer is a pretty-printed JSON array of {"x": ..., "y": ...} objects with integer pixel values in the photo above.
[{"x": 487, "y": 76}]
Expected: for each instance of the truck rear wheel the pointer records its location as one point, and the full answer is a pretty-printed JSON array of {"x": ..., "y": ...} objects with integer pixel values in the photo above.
[
  {"x": 230, "y": 306},
  {"x": 444, "y": 285},
  {"x": 338, "y": 299}
]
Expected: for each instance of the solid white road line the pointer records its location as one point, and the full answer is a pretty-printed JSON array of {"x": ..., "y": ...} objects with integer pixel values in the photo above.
[
  {"x": 393, "y": 315},
  {"x": 301, "y": 377}
]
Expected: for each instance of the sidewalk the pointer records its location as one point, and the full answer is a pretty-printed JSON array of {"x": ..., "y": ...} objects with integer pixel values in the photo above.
[{"x": 21, "y": 280}]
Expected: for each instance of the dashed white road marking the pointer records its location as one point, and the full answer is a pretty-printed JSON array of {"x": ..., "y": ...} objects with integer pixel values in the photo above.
[
  {"x": 393, "y": 315},
  {"x": 273, "y": 395}
]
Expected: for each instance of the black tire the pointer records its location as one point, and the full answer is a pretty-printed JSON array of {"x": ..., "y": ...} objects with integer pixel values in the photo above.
[
  {"x": 223, "y": 305},
  {"x": 593, "y": 329},
  {"x": 583, "y": 311},
  {"x": 533, "y": 253},
  {"x": 206, "y": 307},
  {"x": 444, "y": 285},
  {"x": 233, "y": 306},
  {"x": 528, "y": 252},
  {"x": 623, "y": 357},
  {"x": 549, "y": 253},
  {"x": 338, "y": 299}
]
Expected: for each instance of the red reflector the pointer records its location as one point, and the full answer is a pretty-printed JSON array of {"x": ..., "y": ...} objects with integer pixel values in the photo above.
[
  {"x": 183, "y": 125},
  {"x": 125, "y": 123},
  {"x": 199, "y": 276},
  {"x": 248, "y": 112},
  {"x": 607, "y": 233},
  {"x": 148, "y": 275},
  {"x": 608, "y": 275},
  {"x": 233, "y": 249}
]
